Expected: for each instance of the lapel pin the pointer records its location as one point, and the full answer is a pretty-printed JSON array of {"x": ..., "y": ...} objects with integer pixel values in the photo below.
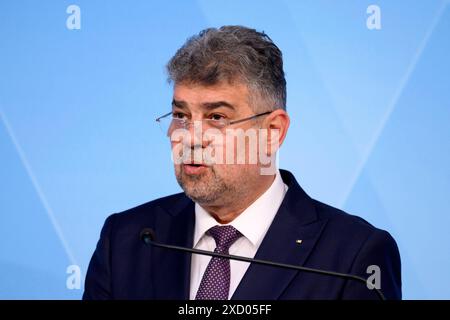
[{"x": 299, "y": 241}]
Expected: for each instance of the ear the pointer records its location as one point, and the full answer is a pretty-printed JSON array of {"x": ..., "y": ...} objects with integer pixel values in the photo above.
[{"x": 277, "y": 125}]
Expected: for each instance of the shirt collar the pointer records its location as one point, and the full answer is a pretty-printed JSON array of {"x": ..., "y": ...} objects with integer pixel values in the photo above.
[{"x": 254, "y": 221}]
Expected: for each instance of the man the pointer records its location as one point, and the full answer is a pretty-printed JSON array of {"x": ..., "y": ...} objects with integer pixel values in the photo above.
[{"x": 231, "y": 81}]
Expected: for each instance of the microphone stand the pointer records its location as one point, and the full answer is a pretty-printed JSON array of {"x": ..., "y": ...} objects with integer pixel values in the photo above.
[{"x": 148, "y": 236}]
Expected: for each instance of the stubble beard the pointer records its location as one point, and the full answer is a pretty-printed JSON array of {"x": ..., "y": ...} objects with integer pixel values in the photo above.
[{"x": 207, "y": 188}]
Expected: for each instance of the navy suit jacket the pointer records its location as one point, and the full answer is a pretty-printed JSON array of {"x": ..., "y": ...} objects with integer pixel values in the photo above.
[{"x": 122, "y": 267}]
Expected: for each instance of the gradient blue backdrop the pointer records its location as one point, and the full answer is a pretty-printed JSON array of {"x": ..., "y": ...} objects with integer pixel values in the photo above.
[{"x": 370, "y": 123}]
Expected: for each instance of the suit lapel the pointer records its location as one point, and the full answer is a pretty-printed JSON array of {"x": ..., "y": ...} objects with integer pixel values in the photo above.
[
  {"x": 296, "y": 220},
  {"x": 171, "y": 276}
]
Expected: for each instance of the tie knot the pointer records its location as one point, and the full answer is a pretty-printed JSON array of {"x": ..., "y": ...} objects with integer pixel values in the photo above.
[{"x": 224, "y": 236}]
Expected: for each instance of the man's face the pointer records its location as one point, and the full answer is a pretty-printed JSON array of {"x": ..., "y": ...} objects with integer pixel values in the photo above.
[{"x": 219, "y": 183}]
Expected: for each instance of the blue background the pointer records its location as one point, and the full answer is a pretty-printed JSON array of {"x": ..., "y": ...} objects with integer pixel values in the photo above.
[{"x": 370, "y": 126}]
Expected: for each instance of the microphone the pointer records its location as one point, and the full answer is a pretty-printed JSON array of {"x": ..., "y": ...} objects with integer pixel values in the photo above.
[{"x": 148, "y": 236}]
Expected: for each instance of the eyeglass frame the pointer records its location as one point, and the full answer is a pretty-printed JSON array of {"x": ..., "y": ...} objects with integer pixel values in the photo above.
[{"x": 228, "y": 124}]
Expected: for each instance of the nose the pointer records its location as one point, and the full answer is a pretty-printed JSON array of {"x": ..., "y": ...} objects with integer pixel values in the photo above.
[{"x": 196, "y": 130}]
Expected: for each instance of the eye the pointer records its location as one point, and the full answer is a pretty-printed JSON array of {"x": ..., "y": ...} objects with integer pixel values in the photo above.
[
  {"x": 178, "y": 115},
  {"x": 216, "y": 117}
]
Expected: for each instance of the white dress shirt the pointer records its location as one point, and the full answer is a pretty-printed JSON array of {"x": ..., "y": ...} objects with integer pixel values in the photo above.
[{"x": 253, "y": 223}]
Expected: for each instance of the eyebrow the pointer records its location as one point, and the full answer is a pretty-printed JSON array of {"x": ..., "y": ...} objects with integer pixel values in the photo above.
[{"x": 206, "y": 105}]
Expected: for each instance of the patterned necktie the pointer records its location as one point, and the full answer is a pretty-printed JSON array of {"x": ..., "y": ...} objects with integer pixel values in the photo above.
[{"x": 215, "y": 284}]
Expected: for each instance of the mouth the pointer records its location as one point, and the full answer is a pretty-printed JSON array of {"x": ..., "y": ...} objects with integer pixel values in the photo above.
[{"x": 194, "y": 168}]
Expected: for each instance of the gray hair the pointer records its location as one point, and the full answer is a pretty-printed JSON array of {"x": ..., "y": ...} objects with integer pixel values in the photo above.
[{"x": 233, "y": 53}]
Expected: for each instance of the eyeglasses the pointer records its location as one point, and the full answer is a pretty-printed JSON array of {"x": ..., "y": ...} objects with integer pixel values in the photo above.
[{"x": 169, "y": 124}]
